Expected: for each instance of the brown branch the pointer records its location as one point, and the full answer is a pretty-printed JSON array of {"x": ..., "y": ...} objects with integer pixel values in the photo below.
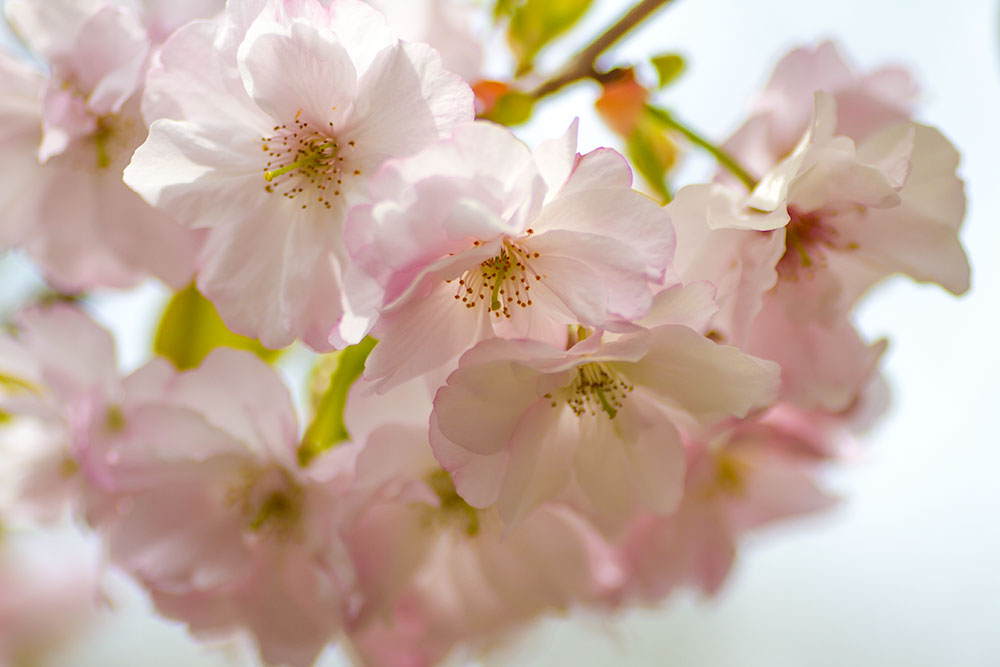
[{"x": 582, "y": 66}]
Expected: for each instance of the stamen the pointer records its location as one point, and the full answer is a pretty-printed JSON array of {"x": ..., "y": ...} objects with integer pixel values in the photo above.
[
  {"x": 270, "y": 501},
  {"x": 506, "y": 278},
  {"x": 808, "y": 238},
  {"x": 305, "y": 160},
  {"x": 452, "y": 509},
  {"x": 596, "y": 388}
]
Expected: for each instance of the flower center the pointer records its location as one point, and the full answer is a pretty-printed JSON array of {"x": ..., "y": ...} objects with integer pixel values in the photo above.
[
  {"x": 596, "y": 388},
  {"x": 114, "y": 138},
  {"x": 452, "y": 510},
  {"x": 808, "y": 237},
  {"x": 270, "y": 501},
  {"x": 727, "y": 478},
  {"x": 101, "y": 139},
  {"x": 505, "y": 280},
  {"x": 306, "y": 162}
]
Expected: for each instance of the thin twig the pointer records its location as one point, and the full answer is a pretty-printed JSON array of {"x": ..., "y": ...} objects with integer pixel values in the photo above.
[
  {"x": 722, "y": 157},
  {"x": 582, "y": 66}
]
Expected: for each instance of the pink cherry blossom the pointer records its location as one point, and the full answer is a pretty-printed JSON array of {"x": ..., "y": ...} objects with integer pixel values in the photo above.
[
  {"x": 739, "y": 477},
  {"x": 519, "y": 417},
  {"x": 265, "y": 128},
  {"x": 213, "y": 514},
  {"x": 50, "y": 593},
  {"x": 71, "y": 135},
  {"x": 439, "y": 575},
  {"x": 792, "y": 258},
  {"x": 825, "y": 364},
  {"x": 866, "y": 104},
  {"x": 57, "y": 375},
  {"x": 476, "y": 237},
  {"x": 447, "y": 25}
]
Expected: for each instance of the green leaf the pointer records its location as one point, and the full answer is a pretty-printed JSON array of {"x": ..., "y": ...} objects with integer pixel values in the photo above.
[
  {"x": 535, "y": 23},
  {"x": 513, "y": 108},
  {"x": 652, "y": 153},
  {"x": 327, "y": 427},
  {"x": 503, "y": 8},
  {"x": 190, "y": 328},
  {"x": 668, "y": 66}
]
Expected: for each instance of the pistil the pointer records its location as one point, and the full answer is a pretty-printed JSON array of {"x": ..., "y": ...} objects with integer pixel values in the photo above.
[{"x": 312, "y": 159}]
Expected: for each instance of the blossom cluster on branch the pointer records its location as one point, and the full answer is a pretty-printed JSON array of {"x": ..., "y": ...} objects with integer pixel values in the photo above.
[{"x": 579, "y": 397}]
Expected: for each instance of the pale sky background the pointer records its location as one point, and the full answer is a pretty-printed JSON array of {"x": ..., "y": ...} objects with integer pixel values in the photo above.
[{"x": 905, "y": 571}]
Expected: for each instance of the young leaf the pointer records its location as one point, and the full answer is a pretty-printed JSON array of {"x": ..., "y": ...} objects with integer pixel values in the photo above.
[
  {"x": 622, "y": 103},
  {"x": 653, "y": 154},
  {"x": 535, "y": 23},
  {"x": 668, "y": 66},
  {"x": 327, "y": 427},
  {"x": 511, "y": 108},
  {"x": 190, "y": 328}
]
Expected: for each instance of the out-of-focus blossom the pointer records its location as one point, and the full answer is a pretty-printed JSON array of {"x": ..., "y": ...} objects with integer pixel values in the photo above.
[
  {"x": 739, "y": 477},
  {"x": 48, "y": 593},
  {"x": 519, "y": 417},
  {"x": 438, "y": 574},
  {"x": 866, "y": 104},
  {"x": 211, "y": 511},
  {"x": 447, "y": 25},
  {"x": 477, "y": 237},
  {"x": 58, "y": 379},
  {"x": 70, "y": 134},
  {"x": 792, "y": 258},
  {"x": 265, "y": 128}
]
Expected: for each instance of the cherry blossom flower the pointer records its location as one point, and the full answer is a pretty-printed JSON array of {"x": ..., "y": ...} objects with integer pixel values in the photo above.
[
  {"x": 50, "y": 593},
  {"x": 447, "y": 25},
  {"x": 476, "y": 237},
  {"x": 519, "y": 417},
  {"x": 265, "y": 128},
  {"x": 792, "y": 258},
  {"x": 825, "y": 364},
  {"x": 67, "y": 207},
  {"x": 739, "y": 477},
  {"x": 866, "y": 104},
  {"x": 58, "y": 379},
  {"x": 212, "y": 513},
  {"x": 438, "y": 574}
]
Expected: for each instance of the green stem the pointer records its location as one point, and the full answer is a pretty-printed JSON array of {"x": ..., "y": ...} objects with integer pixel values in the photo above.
[{"x": 723, "y": 158}]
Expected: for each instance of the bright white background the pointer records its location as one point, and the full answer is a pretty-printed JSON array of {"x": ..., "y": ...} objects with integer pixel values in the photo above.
[{"x": 905, "y": 572}]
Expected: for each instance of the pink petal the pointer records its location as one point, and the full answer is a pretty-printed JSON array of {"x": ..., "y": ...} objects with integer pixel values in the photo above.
[
  {"x": 707, "y": 380},
  {"x": 297, "y": 71},
  {"x": 405, "y": 101}
]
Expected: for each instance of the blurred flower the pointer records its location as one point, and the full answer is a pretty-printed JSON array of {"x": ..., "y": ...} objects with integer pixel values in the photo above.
[
  {"x": 210, "y": 510},
  {"x": 70, "y": 135}
]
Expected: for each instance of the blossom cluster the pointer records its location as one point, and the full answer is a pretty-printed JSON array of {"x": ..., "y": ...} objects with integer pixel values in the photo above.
[{"x": 578, "y": 398}]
